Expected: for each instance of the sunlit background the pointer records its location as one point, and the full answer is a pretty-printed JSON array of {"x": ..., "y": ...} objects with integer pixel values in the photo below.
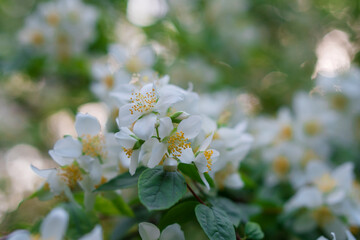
[{"x": 248, "y": 55}]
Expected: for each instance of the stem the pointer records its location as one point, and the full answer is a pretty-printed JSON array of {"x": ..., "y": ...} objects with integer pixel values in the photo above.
[
  {"x": 238, "y": 236},
  {"x": 194, "y": 194}
]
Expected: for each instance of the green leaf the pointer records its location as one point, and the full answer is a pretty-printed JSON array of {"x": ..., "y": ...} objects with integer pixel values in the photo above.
[
  {"x": 253, "y": 231},
  {"x": 181, "y": 213},
  {"x": 159, "y": 189},
  {"x": 112, "y": 204},
  {"x": 191, "y": 171},
  {"x": 215, "y": 223},
  {"x": 230, "y": 208},
  {"x": 122, "y": 206},
  {"x": 122, "y": 181}
]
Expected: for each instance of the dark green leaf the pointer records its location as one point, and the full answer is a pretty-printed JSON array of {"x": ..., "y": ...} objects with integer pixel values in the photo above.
[
  {"x": 159, "y": 189},
  {"x": 191, "y": 171},
  {"x": 181, "y": 213},
  {"x": 253, "y": 231},
  {"x": 215, "y": 223},
  {"x": 122, "y": 181},
  {"x": 230, "y": 208}
]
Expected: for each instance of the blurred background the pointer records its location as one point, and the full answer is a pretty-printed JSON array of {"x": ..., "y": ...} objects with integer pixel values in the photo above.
[{"x": 260, "y": 52}]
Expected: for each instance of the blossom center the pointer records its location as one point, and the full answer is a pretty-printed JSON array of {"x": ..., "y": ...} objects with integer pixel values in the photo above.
[
  {"x": 281, "y": 165},
  {"x": 108, "y": 81},
  {"x": 312, "y": 128},
  {"x": 208, "y": 154},
  {"x": 286, "y": 132},
  {"x": 71, "y": 174},
  {"x": 128, "y": 151},
  {"x": 37, "y": 38},
  {"x": 133, "y": 65},
  {"x": 322, "y": 215},
  {"x": 326, "y": 183},
  {"x": 339, "y": 102},
  {"x": 143, "y": 102},
  {"x": 93, "y": 146},
  {"x": 177, "y": 143},
  {"x": 52, "y": 19}
]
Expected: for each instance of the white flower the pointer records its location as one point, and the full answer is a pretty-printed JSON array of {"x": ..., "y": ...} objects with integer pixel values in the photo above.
[
  {"x": 54, "y": 227},
  {"x": 149, "y": 231},
  {"x": 145, "y": 106}
]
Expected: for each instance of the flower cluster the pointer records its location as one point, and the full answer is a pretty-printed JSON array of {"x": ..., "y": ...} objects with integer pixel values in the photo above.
[{"x": 61, "y": 28}]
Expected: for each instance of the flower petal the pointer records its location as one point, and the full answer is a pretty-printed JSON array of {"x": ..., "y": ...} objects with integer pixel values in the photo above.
[
  {"x": 68, "y": 147},
  {"x": 205, "y": 144},
  {"x": 148, "y": 231},
  {"x": 172, "y": 232},
  {"x": 190, "y": 126},
  {"x": 147, "y": 55},
  {"x": 95, "y": 234},
  {"x": 165, "y": 127},
  {"x": 127, "y": 118},
  {"x": 187, "y": 156},
  {"x": 86, "y": 124},
  {"x": 124, "y": 139},
  {"x": 134, "y": 162},
  {"x": 201, "y": 163},
  {"x": 19, "y": 235},
  {"x": 145, "y": 126},
  {"x": 159, "y": 149},
  {"x": 55, "y": 224}
]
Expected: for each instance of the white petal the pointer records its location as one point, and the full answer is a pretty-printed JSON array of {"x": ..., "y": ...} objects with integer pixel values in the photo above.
[
  {"x": 202, "y": 176},
  {"x": 309, "y": 197},
  {"x": 119, "y": 53},
  {"x": 44, "y": 173},
  {"x": 95, "y": 234},
  {"x": 187, "y": 156},
  {"x": 190, "y": 126},
  {"x": 165, "y": 127},
  {"x": 147, "y": 55},
  {"x": 54, "y": 225},
  {"x": 145, "y": 126},
  {"x": 201, "y": 163},
  {"x": 234, "y": 181},
  {"x": 86, "y": 124},
  {"x": 68, "y": 147},
  {"x": 125, "y": 117},
  {"x": 344, "y": 175},
  {"x": 134, "y": 162},
  {"x": 159, "y": 149},
  {"x": 62, "y": 161},
  {"x": 205, "y": 144},
  {"x": 124, "y": 139},
  {"x": 19, "y": 235},
  {"x": 172, "y": 232},
  {"x": 148, "y": 231}
]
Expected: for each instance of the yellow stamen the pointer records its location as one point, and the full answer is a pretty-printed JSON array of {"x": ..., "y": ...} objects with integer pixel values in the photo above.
[
  {"x": 312, "y": 128},
  {"x": 286, "y": 132},
  {"x": 71, "y": 174},
  {"x": 208, "y": 154},
  {"x": 93, "y": 146},
  {"x": 37, "y": 38},
  {"x": 339, "y": 102},
  {"x": 128, "y": 152},
  {"x": 143, "y": 103},
  {"x": 326, "y": 183},
  {"x": 102, "y": 181},
  {"x": 108, "y": 81},
  {"x": 177, "y": 143},
  {"x": 53, "y": 19},
  {"x": 134, "y": 65},
  {"x": 281, "y": 165},
  {"x": 323, "y": 215}
]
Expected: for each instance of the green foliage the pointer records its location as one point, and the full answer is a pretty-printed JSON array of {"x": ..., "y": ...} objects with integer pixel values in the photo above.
[
  {"x": 230, "y": 208},
  {"x": 181, "y": 213},
  {"x": 159, "y": 189},
  {"x": 122, "y": 181},
  {"x": 253, "y": 231},
  {"x": 215, "y": 223},
  {"x": 191, "y": 171}
]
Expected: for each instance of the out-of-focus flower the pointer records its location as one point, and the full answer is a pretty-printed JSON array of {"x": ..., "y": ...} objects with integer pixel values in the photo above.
[
  {"x": 149, "y": 231},
  {"x": 60, "y": 29},
  {"x": 54, "y": 227}
]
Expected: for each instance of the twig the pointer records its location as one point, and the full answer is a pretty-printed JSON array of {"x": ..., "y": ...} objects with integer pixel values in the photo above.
[
  {"x": 238, "y": 236},
  {"x": 194, "y": 194}
]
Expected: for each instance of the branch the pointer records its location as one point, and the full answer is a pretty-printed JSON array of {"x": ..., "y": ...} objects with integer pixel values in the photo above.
[{"x": 194, "y": 194}]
